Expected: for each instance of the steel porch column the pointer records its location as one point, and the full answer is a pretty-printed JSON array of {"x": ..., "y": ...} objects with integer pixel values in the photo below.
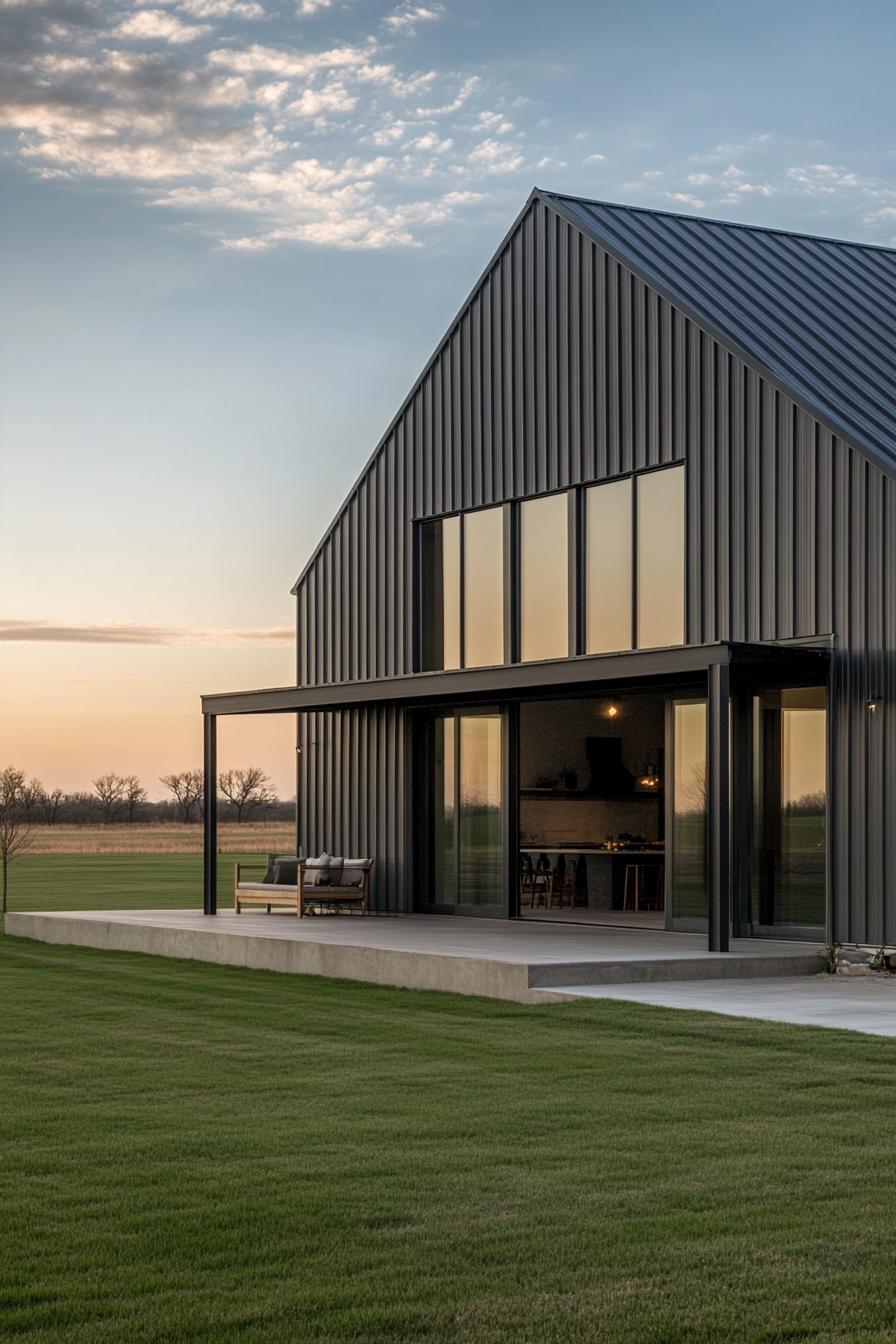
[
  {"x": 210, "y": 815},
  {"x": 719, "y": 805}
]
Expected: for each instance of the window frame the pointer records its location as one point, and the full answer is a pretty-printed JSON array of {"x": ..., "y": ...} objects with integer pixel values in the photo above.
[{"x": 577, "y": 569}]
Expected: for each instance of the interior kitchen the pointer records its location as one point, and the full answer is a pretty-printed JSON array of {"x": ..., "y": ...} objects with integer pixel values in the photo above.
[{"x": 592, "y": 810}]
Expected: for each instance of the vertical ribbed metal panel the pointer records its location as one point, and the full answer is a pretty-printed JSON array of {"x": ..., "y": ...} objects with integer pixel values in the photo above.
[
  {"x": 565, "y": 367},
  {"x": 353, "y": 792}
]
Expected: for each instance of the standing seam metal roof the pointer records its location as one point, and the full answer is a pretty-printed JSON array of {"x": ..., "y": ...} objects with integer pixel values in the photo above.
[{"x": 817, "y": 314}]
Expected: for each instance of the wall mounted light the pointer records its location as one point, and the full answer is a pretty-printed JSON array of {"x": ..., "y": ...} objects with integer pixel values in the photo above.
[
  {"x": 872, "y": 704},
  {"x": 612, "y": 711}
]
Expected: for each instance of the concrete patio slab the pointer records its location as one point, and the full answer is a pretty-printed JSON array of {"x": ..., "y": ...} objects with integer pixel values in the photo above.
[
  {"x": 502, "y": 959},
  {"x": 849, "y": 1004}
]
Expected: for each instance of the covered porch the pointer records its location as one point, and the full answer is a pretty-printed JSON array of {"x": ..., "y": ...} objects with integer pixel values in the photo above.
[
  {"x": 724, "y": 676},
  {"x": 502, "y": 959}
]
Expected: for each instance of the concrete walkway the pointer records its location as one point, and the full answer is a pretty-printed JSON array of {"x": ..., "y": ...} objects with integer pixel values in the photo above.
[
  {"x": 504, "y": 959},
  {"x": 854, "y": 1003}
]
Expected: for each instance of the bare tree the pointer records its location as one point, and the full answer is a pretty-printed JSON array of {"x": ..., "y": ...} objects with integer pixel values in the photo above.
[
  {"x": 109, "y": 791},
  {"x": 31, "y": 796},
  {"x": 247, "y": 790},
  {"x": 133, "y": 795},
  {"x": 51, "y": 805},
  {"x": 15, "y": 828},
  {"x": 186, "y": 788}
]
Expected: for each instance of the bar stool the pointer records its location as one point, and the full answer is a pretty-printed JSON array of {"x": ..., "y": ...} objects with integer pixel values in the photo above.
[
  {"x": 633, "y": 892},
  {"x": 536, "y": 879}
]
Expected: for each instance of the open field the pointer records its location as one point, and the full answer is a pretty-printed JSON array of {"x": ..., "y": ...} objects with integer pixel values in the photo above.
[
  {"x": 262, "y": 837},
  {"x": 205, "y": 1154},
  {"x": 117, "y": 881}
]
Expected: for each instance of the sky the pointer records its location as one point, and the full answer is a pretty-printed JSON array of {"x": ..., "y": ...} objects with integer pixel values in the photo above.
[{"x": 233, "y": 232}]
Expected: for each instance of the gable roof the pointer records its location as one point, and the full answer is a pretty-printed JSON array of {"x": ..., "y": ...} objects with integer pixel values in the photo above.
[{"x": 817, "y": 314}]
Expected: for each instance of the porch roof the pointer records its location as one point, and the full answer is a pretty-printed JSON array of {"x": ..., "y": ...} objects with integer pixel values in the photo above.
[{"x": 516, "y": 680}]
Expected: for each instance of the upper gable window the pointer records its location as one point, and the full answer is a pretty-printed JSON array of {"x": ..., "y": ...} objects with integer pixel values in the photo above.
[
  {"x": 609, "y": 612},
  {"x": 483, "y": 568},
  {"x": 440, "y": 594},
  {"x": 635, "y": 562},
  {"x": 462, "y": 591},
  {"x": 544, "y": 577},
  {"x": 660, "y": 563}
]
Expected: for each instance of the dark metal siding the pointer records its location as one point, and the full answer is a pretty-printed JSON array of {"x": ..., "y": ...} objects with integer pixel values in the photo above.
[
  {"x": 353, "y": 793},
  {"x": 565, "y": 367},
  {"x": 818, "y": 314}
]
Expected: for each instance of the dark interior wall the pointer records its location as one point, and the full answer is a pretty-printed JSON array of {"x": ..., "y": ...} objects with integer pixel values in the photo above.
[{"x": 563, "y": 368}]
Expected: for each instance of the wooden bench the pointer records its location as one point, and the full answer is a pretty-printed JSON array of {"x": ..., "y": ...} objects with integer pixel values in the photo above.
[{"x": 354, "y": 895}]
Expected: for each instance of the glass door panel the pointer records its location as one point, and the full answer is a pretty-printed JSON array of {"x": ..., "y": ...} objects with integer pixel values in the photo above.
[
  {"x": 788, "y": 888},
  {"x": 464, "y": 871},
  {"x": 444, "y": 819},
  {"x": 690, "y": 892},
  {"x": 481, "y": 849}
]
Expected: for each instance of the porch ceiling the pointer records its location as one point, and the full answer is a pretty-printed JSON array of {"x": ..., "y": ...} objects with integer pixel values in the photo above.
[{"x": 516, "y": 680}]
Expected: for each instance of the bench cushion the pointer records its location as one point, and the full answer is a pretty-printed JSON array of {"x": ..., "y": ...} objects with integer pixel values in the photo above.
[
  {"x": 270, "y": 887},
  {"x": 317, "y": 871}
]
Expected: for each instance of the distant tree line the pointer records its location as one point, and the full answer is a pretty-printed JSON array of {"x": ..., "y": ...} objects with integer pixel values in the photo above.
[{"x": 243, "y": 795}]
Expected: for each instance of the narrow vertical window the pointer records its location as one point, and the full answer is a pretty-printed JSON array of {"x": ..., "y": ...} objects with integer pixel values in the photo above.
[
  {"x": 608, "y": 567},
  {"x": 660, "y": 558},
  {"x": 544, "y": 578},
  {"x": 484, "y": 588},
  {"x": 689, "y": 875},
  {"x": 451, "y": 592},
  {"x": 440, "y": 594}
]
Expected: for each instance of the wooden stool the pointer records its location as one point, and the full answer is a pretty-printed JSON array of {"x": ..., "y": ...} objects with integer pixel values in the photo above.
[{"x": 633, "y": 891}]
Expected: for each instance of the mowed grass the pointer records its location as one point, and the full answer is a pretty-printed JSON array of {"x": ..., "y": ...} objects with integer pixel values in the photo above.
[
  {"x": 200, "y": 1153},
  {"x": 119, "y": 881}
]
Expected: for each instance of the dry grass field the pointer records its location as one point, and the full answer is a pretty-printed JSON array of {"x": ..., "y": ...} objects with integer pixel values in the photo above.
[{"x": 255, "y": 837}]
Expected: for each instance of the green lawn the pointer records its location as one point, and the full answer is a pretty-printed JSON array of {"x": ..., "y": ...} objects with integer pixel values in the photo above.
[
  {"x": 200, "y": 1153},
  {"x": 117, "y": 881}
]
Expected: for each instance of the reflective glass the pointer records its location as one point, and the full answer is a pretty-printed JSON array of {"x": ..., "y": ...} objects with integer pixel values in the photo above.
[{"x": 544, "y": 578}]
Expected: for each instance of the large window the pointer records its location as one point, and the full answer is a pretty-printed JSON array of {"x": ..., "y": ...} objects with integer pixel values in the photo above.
[
  {"x": 544, "y": 578},
  {"x": 484, "y": 588},
  {"x": 462, "y": 591},
  {"x": 628, "y": 542},
  {"x": 660, "y": 558},
  {"x": 608, "y": 567},
  {"x": 440, "y": 594}
]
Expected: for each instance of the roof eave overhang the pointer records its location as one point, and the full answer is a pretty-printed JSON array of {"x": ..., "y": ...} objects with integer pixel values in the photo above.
[{"x": 518, "y": 680}]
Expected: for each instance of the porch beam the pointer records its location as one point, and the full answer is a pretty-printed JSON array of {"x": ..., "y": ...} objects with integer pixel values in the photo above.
[
  {"x": 719, "y": 805},
  {"x": 210, "y": 814}
]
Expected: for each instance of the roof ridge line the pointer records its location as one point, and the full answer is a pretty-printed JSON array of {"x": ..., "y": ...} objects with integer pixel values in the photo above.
[{"x": 711, "y": 219}]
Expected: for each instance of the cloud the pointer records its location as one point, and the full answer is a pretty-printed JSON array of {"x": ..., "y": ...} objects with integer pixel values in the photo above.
[
  {"x": 407, "y": 18},
  {"x": 219, "y": 9},
  {"x": 496, "y": 156},
  {"x": 157, "y": 26},
  {"x": 685, "y": 198},
  {"x": 125, "y": 632},
  {"x": 197, "y": 107},
  {"x": 595, "y": 158},
  {"x": 312, "y": 6}
]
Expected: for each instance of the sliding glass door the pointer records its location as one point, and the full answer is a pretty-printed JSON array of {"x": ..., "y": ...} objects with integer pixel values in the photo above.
[
  {"x": 788, "y": 893},
  {"x": 462, "y": 818}
]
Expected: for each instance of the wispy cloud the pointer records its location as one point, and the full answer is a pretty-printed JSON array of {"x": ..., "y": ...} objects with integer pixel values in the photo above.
[
  {"x": 125, "y": 632},
  {"x": 156, "y": 26},
  {"x": 408, "y": 17},
  {"x": 199, "y": 109},
  {"x": 765, "y": 167}
]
